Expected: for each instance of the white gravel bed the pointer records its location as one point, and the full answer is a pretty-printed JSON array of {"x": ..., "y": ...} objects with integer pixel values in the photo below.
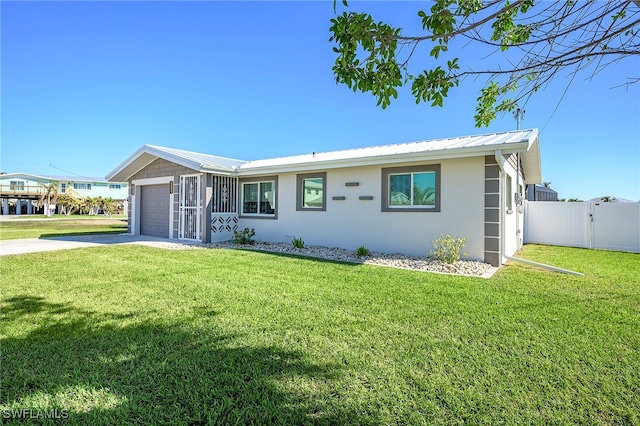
[{"x": 396, "y": 260}]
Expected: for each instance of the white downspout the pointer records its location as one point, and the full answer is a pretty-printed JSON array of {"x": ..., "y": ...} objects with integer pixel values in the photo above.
[{"x": 519, "y": 236}]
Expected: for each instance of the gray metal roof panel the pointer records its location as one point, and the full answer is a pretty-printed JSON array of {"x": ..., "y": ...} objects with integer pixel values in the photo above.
[
  {"x": 525, "y": 141},
  {"x": 205, "y": 160},
  {"x": 492, "y": 141}
]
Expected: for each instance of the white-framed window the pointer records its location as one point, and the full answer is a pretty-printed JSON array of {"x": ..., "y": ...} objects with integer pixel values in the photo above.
[
  {"x": 311, "y": 194},
  {"x": 414, "y": 188},
  {"x": 258, "y": 197},
  {"x": 115, "y": 186},
  {"x": 86, "y": 186},
  {"x": 16, "y": 185},
  {"x": 63, "y": 188}
]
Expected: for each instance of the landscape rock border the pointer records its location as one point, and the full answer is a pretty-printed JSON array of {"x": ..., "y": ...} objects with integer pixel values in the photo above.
[{"x": 396, "y": 260}]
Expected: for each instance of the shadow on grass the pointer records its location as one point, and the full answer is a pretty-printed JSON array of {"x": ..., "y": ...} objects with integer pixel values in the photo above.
[
  {"x": 114, "y": 231},
  {"x": 102, "y": 371}
]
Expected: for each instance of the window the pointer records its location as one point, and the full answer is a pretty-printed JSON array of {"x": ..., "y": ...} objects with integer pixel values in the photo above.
[
  {"x": 63, "y": 188},
  {"x": 508, "y": 194},
  {"x": 415, "y": 188},
  {"x": 311, "y": 194},
  {"x": 259, "y": 198},
  {"x": 86, "y": 186},
  {"x": 16, "y": 185},
  {"x": 115, "y": 186}
]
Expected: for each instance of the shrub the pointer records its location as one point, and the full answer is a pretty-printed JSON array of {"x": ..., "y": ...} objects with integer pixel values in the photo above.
[
  {"x": 363, "y": 251},
  {"x": 244, "y": 236},
  {"x": 297, "y": 242},
  {"x": 447, "y": 249}
]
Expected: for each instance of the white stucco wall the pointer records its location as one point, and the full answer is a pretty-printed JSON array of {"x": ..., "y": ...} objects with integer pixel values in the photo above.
[{"x": 354, "y": 222}]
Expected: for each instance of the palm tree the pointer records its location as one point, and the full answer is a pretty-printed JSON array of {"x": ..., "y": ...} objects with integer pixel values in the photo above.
[
  {"x": 424, "y": 197},
  {"x": 546, "y": 184},
  {"x": 94, "y": 205},
  {"x": 70, "y": 201},
  {"x": 48, "y": 197},
  {"x": 110, "y": 206}
]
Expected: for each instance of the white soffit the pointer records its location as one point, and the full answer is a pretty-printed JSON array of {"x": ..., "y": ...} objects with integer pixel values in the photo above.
[{"x": 531, "y": 162}]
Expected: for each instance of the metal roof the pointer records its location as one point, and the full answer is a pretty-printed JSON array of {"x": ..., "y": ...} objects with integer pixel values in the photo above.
[
  {"x": 192, "y": 160},
  {"x": 40, "y": 178},
  {"x": 521, "y": 141}
]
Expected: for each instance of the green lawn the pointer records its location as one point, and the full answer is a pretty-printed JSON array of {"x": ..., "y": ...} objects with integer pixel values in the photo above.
[
  {"x": 40, "y": 226},
  {"x": 140, "y": 335}
]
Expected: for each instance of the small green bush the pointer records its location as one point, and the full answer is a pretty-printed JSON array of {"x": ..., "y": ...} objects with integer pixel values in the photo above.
[
  {"x": 297, "y": 242},
  {"x": 363, "y": 251},
  {"x": 244, "y": 236},
  {"x": 447, "y": 249}
]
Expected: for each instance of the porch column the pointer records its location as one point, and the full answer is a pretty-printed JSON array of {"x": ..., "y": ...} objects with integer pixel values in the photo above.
[
  {"x": 18, "y": 207},
  {"x": 207, "y": 190},
  {"x": 5, "y": 206},
  {"x": 29, "y": 207}
]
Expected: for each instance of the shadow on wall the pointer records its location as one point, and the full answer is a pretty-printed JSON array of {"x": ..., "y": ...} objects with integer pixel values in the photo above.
[{"x": 102, "y": 372}]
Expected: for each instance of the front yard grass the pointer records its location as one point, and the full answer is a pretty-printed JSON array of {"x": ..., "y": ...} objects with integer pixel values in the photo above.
[
  {"x": 140, "y": 335},
  {"x": 37, "y": 227}
]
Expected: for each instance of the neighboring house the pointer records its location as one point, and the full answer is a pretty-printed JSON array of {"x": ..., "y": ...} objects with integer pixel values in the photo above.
[
  {"x": 541, "y": 193},
  {"x": 22, "y": 190},
  {"x": 393, "y": 198}
]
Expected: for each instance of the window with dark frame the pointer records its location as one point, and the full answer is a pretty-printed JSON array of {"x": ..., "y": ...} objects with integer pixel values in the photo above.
[
  {"x": 411, "y": 189},
  {"x": 258, "y": 198},
  {"x": 311, "y": 194}
]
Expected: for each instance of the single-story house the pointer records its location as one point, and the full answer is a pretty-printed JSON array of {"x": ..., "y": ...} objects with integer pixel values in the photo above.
[
  {"x": 392, "y": 198},
  {"x": 24, "y": 189}
]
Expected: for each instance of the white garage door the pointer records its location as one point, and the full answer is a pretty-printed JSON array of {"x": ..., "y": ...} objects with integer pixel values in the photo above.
[{"x": 154, "y": 210}]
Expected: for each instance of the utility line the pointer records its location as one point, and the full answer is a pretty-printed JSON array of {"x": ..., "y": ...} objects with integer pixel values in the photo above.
[{"x": 67, "y": 171}]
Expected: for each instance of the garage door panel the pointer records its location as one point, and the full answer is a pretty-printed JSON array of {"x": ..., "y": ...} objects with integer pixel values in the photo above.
[{"x": 154, "y": 210}]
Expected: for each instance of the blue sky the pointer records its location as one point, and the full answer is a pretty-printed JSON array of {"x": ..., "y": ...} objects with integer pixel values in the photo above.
[{"x": 85, "y": 84}]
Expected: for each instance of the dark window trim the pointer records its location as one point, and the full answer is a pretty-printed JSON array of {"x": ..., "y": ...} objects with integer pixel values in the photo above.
[
  {"x": 258, "y": 179},
  {"x": 300, "y": 188},
  {"x": 409, "y": 169}
]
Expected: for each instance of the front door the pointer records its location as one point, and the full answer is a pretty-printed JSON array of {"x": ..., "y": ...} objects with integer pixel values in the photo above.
[{"x": 190, "y": 210}]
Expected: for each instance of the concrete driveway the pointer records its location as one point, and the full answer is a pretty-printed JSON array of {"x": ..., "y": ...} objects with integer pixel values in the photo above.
[{"x": 33, "y": 245}]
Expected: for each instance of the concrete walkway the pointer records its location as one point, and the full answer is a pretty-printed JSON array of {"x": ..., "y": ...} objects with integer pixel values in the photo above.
[{"x": 33, "y": 245}]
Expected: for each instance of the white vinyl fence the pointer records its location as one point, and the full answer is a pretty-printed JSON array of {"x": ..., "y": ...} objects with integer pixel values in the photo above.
[{"x": 589, "y": 224}]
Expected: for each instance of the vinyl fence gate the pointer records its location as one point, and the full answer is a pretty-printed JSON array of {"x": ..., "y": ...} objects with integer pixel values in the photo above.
[{"x": 589, "y": 224}]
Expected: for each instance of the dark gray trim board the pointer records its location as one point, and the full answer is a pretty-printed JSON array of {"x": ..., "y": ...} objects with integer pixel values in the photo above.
[{"x": 492, "y": 217}]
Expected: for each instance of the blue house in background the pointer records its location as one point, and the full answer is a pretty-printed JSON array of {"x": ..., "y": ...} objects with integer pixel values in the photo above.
[{"x": 21, "y": 191}]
